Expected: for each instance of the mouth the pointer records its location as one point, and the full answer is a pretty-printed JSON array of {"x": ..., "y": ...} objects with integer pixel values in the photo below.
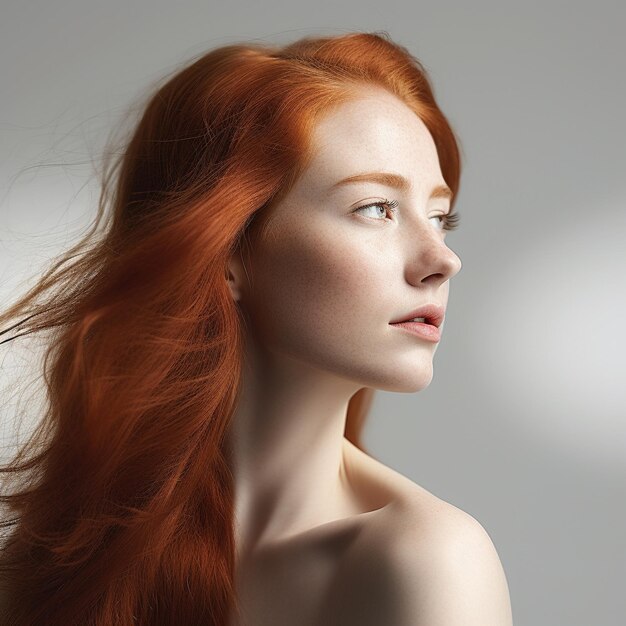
[
  {"x": 430, "y": 314},
  {"x": 428, "y": 332}
]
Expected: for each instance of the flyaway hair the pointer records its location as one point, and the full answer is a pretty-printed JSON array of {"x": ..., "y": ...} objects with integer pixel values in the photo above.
[{"x": 118, "y": 510}]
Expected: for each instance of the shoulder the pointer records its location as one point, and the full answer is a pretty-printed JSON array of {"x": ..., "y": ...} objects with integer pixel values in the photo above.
[
  {"x": 427, "y": 562},
  {"x": 446, "y": 569}
]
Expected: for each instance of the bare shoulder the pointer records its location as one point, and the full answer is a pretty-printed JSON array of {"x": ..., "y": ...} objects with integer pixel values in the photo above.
[
  {"x": 445, "y": 569},
  {"x": 423, "y": 561}
]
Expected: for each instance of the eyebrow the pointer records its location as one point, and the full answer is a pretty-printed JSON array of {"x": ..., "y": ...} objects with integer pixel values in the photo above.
[{"x": 393, "y": 180}]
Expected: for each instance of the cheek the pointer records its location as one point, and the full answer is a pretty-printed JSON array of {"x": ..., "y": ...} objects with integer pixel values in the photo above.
[{"x": 318, "y": 295}]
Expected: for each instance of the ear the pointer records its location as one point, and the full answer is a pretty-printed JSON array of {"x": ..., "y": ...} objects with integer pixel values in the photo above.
[{"x": 237, "y": 276}]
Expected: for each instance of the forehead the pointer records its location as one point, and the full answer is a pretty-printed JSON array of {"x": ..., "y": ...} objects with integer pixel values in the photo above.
[{"x": 376, "y": 131}]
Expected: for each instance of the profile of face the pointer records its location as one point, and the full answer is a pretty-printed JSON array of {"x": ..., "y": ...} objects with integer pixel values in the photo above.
[{"x": 338, "y": 266}]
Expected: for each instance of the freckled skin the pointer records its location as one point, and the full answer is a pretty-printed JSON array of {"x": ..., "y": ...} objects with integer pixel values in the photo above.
[
  {"x": 318, "y": 294},
  {"x": 328, "y": 281}
]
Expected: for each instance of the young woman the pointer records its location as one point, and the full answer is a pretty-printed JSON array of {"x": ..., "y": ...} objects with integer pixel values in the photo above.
[{"x": 278, "y": 217}]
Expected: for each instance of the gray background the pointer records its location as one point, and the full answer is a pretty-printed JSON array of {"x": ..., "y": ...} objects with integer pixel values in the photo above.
[{"x": 523, "y": 424}]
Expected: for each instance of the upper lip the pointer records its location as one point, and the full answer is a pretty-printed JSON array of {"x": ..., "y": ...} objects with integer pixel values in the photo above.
[{"x": 432, "y": 314}]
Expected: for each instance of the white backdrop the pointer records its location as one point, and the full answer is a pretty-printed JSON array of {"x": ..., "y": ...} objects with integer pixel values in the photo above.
[{"x": 523, "y": 425}]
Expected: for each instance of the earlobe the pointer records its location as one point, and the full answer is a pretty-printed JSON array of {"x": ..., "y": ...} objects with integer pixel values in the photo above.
[
  {"x": 235, "y": 276},
  {"x": 233, "y": 284}
]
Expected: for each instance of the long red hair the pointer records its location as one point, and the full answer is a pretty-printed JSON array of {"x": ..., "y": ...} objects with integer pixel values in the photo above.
[{"x": 124, "y": 511}]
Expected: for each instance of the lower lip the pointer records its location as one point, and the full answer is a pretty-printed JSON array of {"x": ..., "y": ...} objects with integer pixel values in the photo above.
[{"x": 425, "y": 331}]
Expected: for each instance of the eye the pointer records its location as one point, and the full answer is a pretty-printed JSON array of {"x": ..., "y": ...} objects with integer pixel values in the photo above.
[
  {"x": 443, "y": 219},
  {"x": 388, "y": 205},
  {"x": 449, "y": 221}
]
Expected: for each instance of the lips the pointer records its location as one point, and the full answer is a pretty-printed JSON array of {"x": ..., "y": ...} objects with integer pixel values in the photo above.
[{"x": 432, "y": 314}]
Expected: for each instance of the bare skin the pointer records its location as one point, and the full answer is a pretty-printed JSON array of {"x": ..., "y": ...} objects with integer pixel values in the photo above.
[
  {"x": 305, "y": 578},
  {"x": 318, "y": 296}
]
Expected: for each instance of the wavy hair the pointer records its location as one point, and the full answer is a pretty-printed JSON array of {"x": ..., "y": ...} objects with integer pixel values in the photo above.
[{"x": 121, "y": 507}]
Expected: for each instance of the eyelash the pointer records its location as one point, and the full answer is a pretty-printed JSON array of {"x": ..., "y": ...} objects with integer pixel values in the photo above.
[{"x": 450, "y": 221}]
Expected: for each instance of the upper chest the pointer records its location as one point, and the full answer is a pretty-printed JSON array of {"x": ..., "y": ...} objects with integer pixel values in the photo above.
[
  {"x": 320, "y": 576},
  {"x": 289, "y": 583}
]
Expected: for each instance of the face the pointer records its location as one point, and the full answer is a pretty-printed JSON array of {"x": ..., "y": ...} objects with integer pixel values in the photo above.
[{"x": 329, "y": 277}]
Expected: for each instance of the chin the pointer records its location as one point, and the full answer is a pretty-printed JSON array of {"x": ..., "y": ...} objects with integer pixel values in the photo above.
[
  {"x": 406, "y": 381},
  {"x": 410, "y": 388}
]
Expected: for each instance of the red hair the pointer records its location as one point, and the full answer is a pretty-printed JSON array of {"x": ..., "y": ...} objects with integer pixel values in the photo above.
[{"x": 125, "y": 513}]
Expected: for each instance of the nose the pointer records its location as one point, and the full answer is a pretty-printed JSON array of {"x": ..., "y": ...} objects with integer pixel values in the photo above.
[{"x": 432, "y": 261}]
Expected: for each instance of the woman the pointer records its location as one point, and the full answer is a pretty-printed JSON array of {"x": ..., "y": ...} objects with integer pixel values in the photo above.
[{"x": 277, "y": 212}]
